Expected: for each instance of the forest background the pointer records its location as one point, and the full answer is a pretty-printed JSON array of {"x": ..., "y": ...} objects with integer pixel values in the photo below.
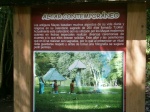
[{"x": 6, "y": 52}]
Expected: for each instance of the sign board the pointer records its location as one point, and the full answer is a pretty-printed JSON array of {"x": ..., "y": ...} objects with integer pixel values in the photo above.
[
  {"x": 86, "y": 44},
  {"x": 134, "y": 61}
]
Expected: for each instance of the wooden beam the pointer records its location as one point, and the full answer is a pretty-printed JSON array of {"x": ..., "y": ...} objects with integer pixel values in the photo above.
[
  {"x": 22, "y": 60},
  {"x": 136, "y": 57},
  {"x": 48, "y": 2}
]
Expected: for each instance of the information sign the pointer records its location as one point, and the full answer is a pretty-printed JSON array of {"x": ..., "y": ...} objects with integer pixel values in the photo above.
[{"x": 83, "y": 44}]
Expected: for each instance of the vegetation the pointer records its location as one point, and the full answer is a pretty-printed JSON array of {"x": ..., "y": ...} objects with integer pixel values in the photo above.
[
  {"x": 104, "y": 67},
  {"x": 101, "y": 67},
  {"x": 109, "y": 100},
  {"x": 6, "y": 51},
  {"x": 148, "y": 49}
]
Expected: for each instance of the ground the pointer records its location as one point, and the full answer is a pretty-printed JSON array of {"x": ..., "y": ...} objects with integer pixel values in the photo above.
[{"x": 6, "y": 104}]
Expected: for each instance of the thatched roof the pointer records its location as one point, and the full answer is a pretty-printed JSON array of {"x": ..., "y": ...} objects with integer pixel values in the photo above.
[
  {"x": 77, "y": 64},
  {"x": 53, "y": 74}
]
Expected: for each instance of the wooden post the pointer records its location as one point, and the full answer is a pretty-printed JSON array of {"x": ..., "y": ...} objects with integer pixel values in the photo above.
[
  {"x": 136, "y": 57},
  {"x": 22, "y": 60}
]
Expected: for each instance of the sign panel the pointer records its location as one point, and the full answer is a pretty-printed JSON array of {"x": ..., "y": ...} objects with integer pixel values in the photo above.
[{"x": 79, "y": 58}]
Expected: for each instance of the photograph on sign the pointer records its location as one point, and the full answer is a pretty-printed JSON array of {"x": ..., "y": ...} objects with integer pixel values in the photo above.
[
  {"x": 78, "y": 80},
  {"x": 79, "y": 58}
]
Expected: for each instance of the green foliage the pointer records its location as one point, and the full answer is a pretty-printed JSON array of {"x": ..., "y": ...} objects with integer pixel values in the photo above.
[
  {"x": 148, "y": 73},
  {"x": 44, "y": 62},
  {"x": 148, "y": 49},
  {"x": 96, "y": 102},
  {"x": 6, "y": 48},
  {"x": 148, "y": 32},
  {"x": 148, "y": 44},
  {"x": 94, "y": 62},
  {"x": 117, "y": 68},
  {"x": 148, "y": 22}
]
